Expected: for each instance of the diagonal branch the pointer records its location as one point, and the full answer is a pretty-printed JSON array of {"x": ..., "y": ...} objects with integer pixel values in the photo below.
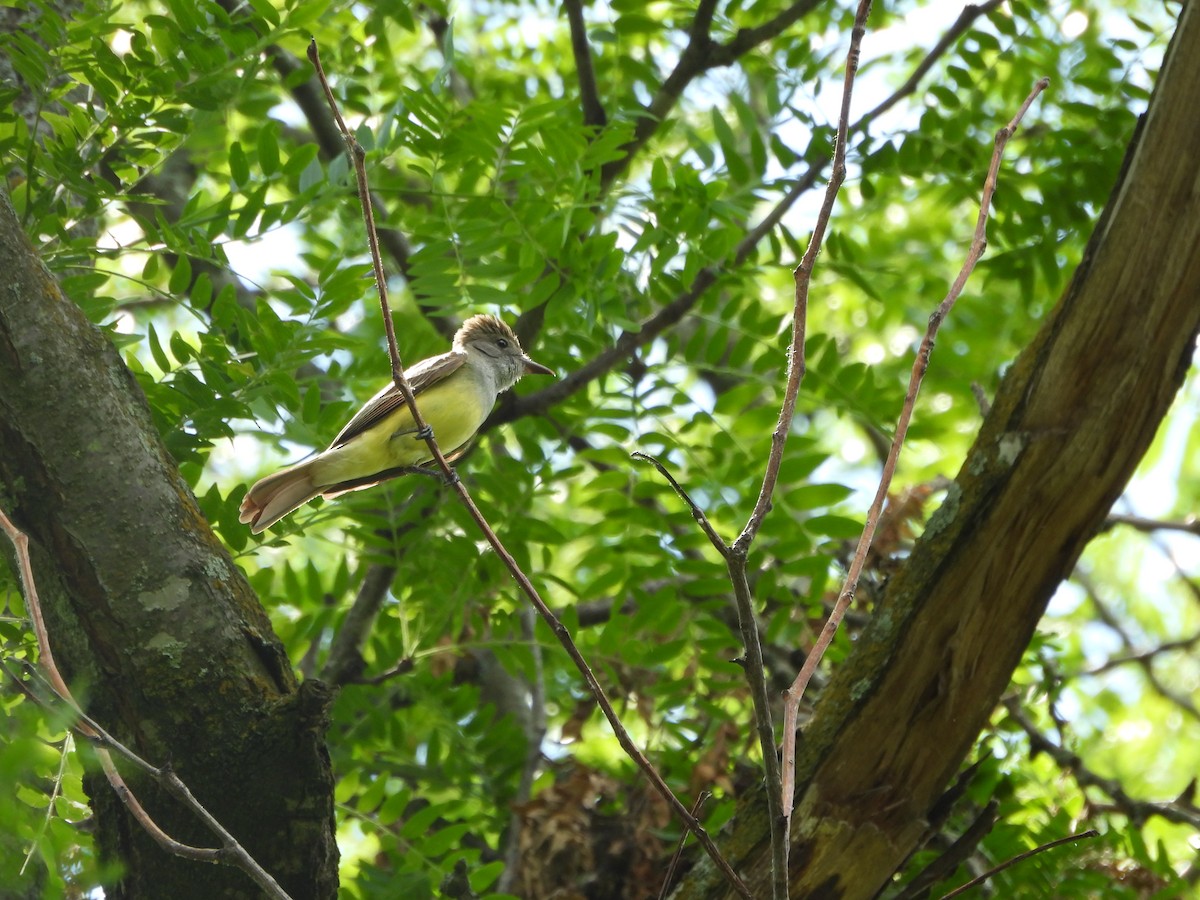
[
  {"x": 589, "y": 96},
  {"x": 969, "y": 14},
  {"x": 674, "y": 311},
  {"x": 955, "y": 855},
  {"x": 748, "y": 38},
  {"x": 1020, "y": 857},
  {"x": 345, "y": 662},
  {"x": 697, "y": 512},
  {"x": 1138, "y": 811},
  {"x": 523, "y": 581},
  {"x": 701, "y": 54}
]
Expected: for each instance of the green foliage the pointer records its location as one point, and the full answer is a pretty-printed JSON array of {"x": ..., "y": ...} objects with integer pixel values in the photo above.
[
  {"x": 44, "y": 806},
  {"x": 171, "y": 181}
]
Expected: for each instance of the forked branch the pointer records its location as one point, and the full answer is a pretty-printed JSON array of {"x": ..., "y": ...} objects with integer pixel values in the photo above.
[
  {"x": 794, "y": 693},
  {"x": 735, "y": 554},
  {"x": 230, "y": 852}
]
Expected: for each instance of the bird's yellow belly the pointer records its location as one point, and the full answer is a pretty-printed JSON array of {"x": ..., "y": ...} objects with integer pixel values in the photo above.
[{"x": 454, "y": 411}]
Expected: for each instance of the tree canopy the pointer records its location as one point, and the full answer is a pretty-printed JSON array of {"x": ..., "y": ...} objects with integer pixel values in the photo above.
[{"x": 362, "y": 695}]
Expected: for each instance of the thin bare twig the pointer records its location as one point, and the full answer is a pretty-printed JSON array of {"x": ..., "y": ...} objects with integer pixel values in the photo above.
[
  {"x": 560, "y": 631},
  {"x": 308, "y": 97},
  {"x": 358, "y": 156},
  {"x": 803, "y": 277},
  {"x": 920, "y": 365},
  {"x": 678, "y": 854},
  {"x": 1190, "y": 525},
  {"x": 230, "y": 852},
  {"x": 735, "y": 554},
  {"x": 1142, "y": 657},
  {"x": 778, "y": 797},
  {"x": 697, "y": 512},
  {"x": 763, "y": 720},
  {"x": 1020, "y": 857}
]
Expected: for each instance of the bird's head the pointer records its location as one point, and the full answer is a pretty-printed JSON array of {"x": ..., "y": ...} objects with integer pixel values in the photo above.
[{"x": 492, "y": 343}]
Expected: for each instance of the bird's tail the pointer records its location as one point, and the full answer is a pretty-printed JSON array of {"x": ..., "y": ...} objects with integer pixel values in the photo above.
[{"x": 273, "y": 497}]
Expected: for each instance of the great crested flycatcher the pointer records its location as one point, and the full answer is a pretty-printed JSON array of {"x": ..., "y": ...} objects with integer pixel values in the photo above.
[{"x": 457, "y": 390}]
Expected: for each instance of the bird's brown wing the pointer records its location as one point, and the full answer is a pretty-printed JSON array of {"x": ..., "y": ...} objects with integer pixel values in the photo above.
[{"x": 424, "y": 374}]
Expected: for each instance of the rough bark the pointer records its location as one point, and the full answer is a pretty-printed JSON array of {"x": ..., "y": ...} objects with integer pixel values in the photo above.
[
  {"x": 150, "y": 619},
  {"x": 1071, "y": 421}
]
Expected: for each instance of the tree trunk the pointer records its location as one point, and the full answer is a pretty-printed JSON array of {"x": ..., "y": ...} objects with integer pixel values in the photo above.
[
  {"x": 1070, "y": 423},
  {"x": 154, "y": 626}
]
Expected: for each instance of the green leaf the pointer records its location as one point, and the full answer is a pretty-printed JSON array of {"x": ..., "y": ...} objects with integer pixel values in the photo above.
[
  {"x": 299, "y": 160},
  {"x": 239, "y": 167},
  {"x": 181, "y": 276},
  {"x": 181, "y": 349},
  {"x": 266, "y": 9},
  {"x": 817, "y": 496},
  {"x": 484, "y": 876},
  {"x": 738, "y": 170},
  {"x": 268, "y": 148},
  {"x": 156, "y": 350}
]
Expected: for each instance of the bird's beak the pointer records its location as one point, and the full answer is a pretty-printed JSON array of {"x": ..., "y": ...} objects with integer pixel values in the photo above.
[{"x": 533, "y": 368}]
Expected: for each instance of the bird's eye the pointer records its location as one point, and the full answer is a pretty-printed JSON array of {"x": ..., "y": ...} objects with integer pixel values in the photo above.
[{"x": 502, "y": 343}]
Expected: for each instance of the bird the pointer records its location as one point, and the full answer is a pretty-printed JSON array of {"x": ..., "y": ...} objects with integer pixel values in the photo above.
[{"x": 455, "y": 391}]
